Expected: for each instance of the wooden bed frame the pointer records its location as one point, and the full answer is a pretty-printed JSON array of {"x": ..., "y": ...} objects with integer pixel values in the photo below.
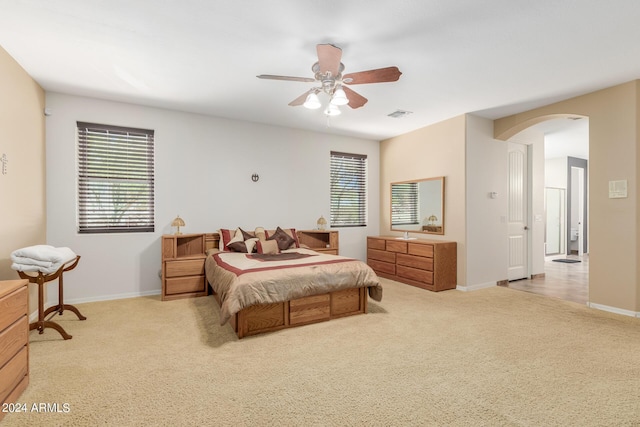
[
  {"x": 302, "y": 311},
  {"x": 262, "y": 318}
]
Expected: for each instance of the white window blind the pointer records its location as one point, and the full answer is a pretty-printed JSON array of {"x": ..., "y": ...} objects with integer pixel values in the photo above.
[
  {"x": 115, "y": 179},
  {"x": 348, "y": 190},
  {"x": 404, "y": 203}
]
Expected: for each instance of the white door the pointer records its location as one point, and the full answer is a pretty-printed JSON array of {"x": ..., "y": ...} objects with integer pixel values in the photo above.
[
  {"x": 580, "y": 211},
  {"x": 517, "y": 215}
]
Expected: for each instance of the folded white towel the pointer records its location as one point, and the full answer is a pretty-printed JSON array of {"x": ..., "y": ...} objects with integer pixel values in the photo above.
[
  {"x": 36, "y": 268},
  {"x": 31, "y": 261},
  {"x": 46, "y": 253}
]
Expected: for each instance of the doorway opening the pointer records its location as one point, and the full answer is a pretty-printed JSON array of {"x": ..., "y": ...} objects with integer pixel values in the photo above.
[{"x": 557, "y": 227}]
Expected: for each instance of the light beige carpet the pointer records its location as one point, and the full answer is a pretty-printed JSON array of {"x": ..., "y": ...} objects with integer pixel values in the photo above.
[{"x": 491, "y": 357}]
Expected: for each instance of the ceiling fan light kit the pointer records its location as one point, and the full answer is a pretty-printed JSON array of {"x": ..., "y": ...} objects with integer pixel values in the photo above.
[
  {"x": 328, "y": 74},
  {"x": 312, "y": 102}
]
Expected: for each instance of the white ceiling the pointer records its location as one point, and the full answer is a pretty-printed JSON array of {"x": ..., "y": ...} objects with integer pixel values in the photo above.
[{"x": 492, "y": 57}]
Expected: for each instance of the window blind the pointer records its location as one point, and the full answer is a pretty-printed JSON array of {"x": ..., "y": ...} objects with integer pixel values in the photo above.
[
  {"x": 404, "y": 203},
  {"x": 348, "y": 190},
  {"x": 115, "y": 179}
]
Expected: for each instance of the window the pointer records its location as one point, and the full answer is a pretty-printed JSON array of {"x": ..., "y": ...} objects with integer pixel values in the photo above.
[
  {"x": 348, "y": 190},
  {"x": 404, "y": 203},
  {"x": 115, "y": 179}
]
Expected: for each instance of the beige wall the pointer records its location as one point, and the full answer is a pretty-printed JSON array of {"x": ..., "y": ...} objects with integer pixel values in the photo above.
[
  {"x": 22, "y": 141},
  {"x": 436, "y": 150},
  {"x": 614, "y": 276}
]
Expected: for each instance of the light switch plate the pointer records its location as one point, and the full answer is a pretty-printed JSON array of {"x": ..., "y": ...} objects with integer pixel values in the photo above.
[{"x": 618, "y": 189}]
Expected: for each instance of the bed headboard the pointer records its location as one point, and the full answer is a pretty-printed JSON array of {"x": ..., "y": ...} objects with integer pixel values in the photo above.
[{"x": 211, "y": 241}]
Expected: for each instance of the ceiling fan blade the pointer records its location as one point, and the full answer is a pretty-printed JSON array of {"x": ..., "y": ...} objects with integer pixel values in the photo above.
[
  {"x": 329, "y": 57},
  {"x": 380, "y": 75},
  {"x": 355, "y": 99},
  {"x": 300, "y": 100},
  {"x": 295, "y": 79}
]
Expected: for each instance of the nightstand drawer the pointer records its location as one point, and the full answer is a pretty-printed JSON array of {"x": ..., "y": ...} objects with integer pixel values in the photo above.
[
  {"x": 191, "y": 267},
  {"x": 183, "y": 285}
]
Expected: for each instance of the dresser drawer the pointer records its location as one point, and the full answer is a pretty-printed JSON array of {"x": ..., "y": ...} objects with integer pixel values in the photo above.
[
  {"x": 13, "y": 306},
  {"x": 12, "y": 373},
  {"x": 382, "y": 267},
  {"x": 396, "y": 246},
  {"x": 309, "y": 309},
  {"x": 414, "y": 261},
  {"x": 376, "y": 243},
  {"x": 191, "y": 267},
  {"x": 182, "y": 285},
  {"x": 13, "y": 339},
  {"x": 421, "y": 250},
  {"x": 416, "y": 274},
  {"x": 381, "y": 255}
]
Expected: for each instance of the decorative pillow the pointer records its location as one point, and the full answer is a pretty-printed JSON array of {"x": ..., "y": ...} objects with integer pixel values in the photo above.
[
  {"x": 291, "y": 232},
  {"x": 246, "y": 246},
  {"x": 225, "y": 238},
  {"x": 246, "y": 235},
  {"x": 267, "y": 247},
  {"x": 285, "y": 241},
  {"x": 260, "y": 233},
  {"x": 242, "y": 241}
]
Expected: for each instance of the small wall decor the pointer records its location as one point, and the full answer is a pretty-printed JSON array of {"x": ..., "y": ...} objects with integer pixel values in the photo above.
[
  {"x": 4, "y": 161},
  {"x": 255, "y": 177}
]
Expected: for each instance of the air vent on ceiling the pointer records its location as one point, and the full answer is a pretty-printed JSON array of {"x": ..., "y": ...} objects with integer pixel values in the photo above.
[{"x": 399, "y": 113}]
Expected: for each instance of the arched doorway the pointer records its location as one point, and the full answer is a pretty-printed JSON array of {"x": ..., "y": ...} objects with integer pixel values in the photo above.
[{"x": 557, "y": 199}]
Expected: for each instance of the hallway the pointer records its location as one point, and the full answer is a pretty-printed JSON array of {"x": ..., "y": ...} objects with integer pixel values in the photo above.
[{"x": 569, "y": 282}]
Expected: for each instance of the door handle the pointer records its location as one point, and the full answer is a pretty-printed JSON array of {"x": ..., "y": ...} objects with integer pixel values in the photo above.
[{"x": 526, "y": 228}]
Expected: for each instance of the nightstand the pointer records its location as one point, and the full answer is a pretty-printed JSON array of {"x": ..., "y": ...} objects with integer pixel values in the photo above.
[
  {"x": 326, "y": 241},
  {"x": 183, "y": 257}
]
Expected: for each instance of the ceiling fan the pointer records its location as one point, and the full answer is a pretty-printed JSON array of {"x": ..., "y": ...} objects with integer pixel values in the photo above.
[{"x": 328, "y": 74}]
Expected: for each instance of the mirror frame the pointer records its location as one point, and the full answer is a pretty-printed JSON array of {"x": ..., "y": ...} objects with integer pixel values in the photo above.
[{"x": 442, "y": 212}]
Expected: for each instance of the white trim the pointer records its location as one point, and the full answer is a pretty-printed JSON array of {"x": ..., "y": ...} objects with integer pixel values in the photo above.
[
  {"x": 34, "y": 315},
  {"x": 476, "y": 287},
  {"x": 615, "y": 310}
]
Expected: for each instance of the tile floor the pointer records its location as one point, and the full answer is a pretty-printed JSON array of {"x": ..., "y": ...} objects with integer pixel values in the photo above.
[{"x": 565, "y": 281}]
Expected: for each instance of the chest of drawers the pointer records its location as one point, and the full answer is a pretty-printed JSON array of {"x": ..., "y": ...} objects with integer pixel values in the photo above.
[
  {"x": 427, "y": 264},
  {"x": 14, "y": 340}
]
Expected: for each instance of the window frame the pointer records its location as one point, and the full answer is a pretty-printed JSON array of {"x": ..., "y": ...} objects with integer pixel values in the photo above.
[
  {"x": 115, "y": 179},
  {"x": 352, "y": 168}
]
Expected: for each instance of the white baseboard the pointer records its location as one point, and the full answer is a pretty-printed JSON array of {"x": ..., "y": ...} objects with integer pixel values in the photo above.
[
  {"x": 615, "y": 310},
  {"x": 34, "y": 315},
  {"x": 476, "y": 286}
]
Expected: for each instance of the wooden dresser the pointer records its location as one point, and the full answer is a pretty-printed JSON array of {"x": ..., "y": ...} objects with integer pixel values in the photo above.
[
  {"x": 427, "y": 264},
  {"x": 183, "y": 257},
  {"x": 14, "y": 340}
]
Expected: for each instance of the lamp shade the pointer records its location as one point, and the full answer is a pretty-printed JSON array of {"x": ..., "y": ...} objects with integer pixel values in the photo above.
[
  {"x": 332, "y": 110},
  {"x": 339, "y": 97},
  {"x": 312, "y": 102},
  {"x": 322, "y": 223},
  {"x": 178, "y": 222}
]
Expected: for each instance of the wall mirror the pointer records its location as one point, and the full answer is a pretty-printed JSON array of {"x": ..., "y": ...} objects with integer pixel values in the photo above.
[{"x": 418, "y": 206}]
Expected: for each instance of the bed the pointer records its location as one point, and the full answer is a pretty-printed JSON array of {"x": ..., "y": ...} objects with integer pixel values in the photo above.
[{"x": 272, "y": 290}]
